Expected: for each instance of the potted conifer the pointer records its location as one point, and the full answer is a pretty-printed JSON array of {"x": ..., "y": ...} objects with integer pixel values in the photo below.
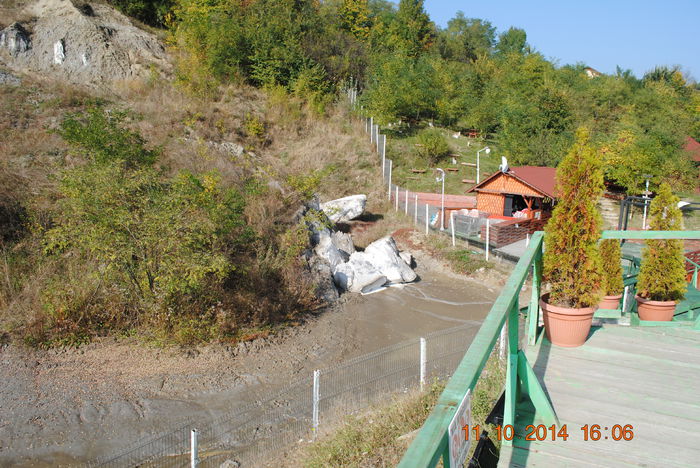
[
  {"x": 613, "y": 285},
  {"x": 572, "y": 263},
  {"x": 661, "y": 281}
]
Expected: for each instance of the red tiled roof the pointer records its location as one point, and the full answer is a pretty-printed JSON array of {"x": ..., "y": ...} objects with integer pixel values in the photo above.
[
  {"x": 693, "y": 148},
  {"x": 541, "y": 179}
]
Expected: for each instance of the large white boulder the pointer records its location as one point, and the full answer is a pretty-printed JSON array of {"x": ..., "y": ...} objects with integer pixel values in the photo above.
[
  {"x": 384, "y": 255},
  {"x": 358, "y": 275},
  {"x": 327, "y": 250},
  {"x": 344, "y": 209}
]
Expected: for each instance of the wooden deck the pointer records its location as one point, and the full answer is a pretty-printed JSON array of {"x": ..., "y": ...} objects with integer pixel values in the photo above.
[{"x": 648, "y": 377}]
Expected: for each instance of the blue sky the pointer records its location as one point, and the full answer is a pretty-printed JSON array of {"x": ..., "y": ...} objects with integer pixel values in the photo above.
[{"x": 633, "y": 34}]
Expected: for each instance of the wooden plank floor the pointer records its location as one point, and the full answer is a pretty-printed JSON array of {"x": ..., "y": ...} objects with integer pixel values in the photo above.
[{"x": 646, "y": 377}]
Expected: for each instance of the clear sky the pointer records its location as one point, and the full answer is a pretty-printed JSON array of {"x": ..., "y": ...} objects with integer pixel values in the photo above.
[{"x": 636, "y": 35}]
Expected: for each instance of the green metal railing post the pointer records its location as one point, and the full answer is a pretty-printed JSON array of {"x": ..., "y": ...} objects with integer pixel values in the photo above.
[
  {"x": 533, "y": 313},
  {"x": 511, "y": 397}
]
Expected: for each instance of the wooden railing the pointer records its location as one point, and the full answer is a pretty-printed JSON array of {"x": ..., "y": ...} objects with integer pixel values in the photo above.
[{"x": 431, "y": 443}]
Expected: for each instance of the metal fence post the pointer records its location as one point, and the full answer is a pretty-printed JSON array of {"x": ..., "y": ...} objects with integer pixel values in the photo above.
[
  {"x": 415, "y": 212},
  {"x": 427, "y": 219},
  {"x": 397, "y": 198},
  {"x": 502, "y": 343},
  {"x": 452, "y": 226},
  {"x": 423, "y": 362},
  {"x": 376, "y": 140},
  {"x": 405, "y": 211},
  {"x": 488, "y": 235},
  {"x": 383, "y": 147},
  {"x": 371, "y": 129},
  {"x": 315, "y": 399},
  {"x": 383, "y": 154},
  {"x": 194, "y": 449},
  {"x": 390, "y": 165}
]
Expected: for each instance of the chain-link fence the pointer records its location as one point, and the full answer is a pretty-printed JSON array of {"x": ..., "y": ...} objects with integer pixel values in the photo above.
[{"x": 249, "y": 435}]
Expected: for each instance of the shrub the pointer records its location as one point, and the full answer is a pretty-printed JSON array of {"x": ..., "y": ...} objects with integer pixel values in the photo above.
[
  {"x": 433, "y": 146},
  {"x": 102, "y": 137},
  {"x": 612, "y": 271},
  {"x": 662, "y": 274},
  {"x": 572, "y": 264}
]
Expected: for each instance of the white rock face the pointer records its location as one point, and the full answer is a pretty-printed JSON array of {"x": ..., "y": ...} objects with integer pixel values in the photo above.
[
  {"x": 327, "y": 250},
  {"x": 15, "y": 39},
  {"x": 358, "y": 275},
  {"x": 343, "y": 241},
  {"x": 385, "y": 257},
  {"x": 379, "y": 264},
  {"x": 58, "y": 54},
  {"x": 344, "y": 209}
]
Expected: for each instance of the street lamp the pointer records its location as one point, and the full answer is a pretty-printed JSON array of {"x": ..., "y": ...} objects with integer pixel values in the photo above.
[
  {"x": 441, "y": 178},
  {"x": 488, "y": 150},
  {"x": 646, "y": 195}
]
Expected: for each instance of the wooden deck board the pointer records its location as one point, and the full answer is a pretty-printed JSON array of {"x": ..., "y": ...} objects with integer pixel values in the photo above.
[{"x": 646, "y": 377}]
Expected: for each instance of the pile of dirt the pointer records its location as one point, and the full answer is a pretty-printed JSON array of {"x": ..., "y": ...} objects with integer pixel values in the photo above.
[{"x": 85, "y": 44}]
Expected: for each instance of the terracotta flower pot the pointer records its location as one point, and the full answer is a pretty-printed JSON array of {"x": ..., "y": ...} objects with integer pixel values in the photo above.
[
  {"x": 658, "y": 311},
  {"x": 565, "y": 326},
  {"x": 610, "y": 302}
]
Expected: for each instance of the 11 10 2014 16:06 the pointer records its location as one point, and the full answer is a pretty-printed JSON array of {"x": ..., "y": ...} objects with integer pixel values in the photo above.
[{"x": 540, "y": 432}]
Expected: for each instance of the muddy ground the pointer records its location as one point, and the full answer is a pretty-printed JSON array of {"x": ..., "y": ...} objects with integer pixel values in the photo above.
[{"x": 64, "y": 407}]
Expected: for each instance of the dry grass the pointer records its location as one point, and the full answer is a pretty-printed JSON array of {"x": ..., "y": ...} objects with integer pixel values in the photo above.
[{"x": 282, "y": 138}]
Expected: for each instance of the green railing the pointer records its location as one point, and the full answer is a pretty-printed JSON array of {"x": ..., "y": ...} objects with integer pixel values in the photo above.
[{"x": 431, "y": 443}]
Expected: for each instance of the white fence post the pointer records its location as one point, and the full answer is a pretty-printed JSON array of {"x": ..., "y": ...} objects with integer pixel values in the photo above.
[
  {"x": 415, "y": 212},
  {"x": 488, "y": 237},
  {"x": 423, "y": 362},
  {"x": 405, "y": 211},
  {"x": 376, "y": 140},
  {"x": 452, "y": 226},
  {"x": 397, "y": 198},
  {"x": 624, "y": 300},
  {"x": 390, "y": 165},
  {"x": 383, "y": 147},
  {"x": 371, "y": 129},
  {"x": 383, "y": 154},
  {"x": 315, "y": 399},
  {"x": 427, "y": 219},
  {"x": 502, "y": 342},
  {"x": 194, "y": 449},
  {"x": 527, "y": 240}
]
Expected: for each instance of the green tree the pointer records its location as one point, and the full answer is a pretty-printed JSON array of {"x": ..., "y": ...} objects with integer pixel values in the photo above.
[
  {"x": 465, "y": 39},
  {"x": 572, "y": 263},
  {"x": 433, "y": 146},
  {"x": 662, "y": 274},
  {"x": 610, "y": 254},
  {"x": 355, "y": 17},
  {"x": 513, "y": 41},
  {"x": 413, "y": 31}
]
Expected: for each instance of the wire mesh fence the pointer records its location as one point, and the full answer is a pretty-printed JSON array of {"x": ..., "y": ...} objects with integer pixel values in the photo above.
[{"x": 249, "y": 435}]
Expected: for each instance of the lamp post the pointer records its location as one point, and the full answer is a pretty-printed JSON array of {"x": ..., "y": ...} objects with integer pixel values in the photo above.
[
  {"x": 646, "y": 196},
  {"x": 488, "y": 150},
  {"x": 441, "y": 178}
]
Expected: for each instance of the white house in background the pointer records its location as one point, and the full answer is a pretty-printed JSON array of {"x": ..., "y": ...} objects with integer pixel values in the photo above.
[{"x": 592, "y": 72}]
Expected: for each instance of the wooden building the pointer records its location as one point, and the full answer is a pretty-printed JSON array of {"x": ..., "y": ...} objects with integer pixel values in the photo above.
[{"x": 525, "y": 191}]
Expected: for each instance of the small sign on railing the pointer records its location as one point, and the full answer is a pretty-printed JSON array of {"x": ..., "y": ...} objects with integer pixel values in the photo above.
[{"x": 457, "y": 435}]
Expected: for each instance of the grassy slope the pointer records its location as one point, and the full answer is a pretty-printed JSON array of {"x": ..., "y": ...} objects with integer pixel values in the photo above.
[
  {"x": 293, "y": 142},
  {"x": 402, "y": 150}
]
